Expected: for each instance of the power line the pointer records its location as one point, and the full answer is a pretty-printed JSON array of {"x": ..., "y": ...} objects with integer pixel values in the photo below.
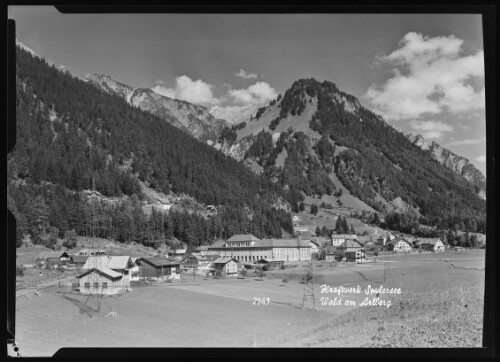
[{"x": 96, "y": 295}]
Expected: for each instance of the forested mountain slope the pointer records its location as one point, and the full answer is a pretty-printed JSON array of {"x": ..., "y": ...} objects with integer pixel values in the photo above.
[
  {"x": 70, "y": 133},
  {"x": 315, "y": 129}
]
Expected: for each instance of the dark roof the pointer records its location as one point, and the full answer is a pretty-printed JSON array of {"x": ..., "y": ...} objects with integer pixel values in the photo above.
[
  {"x": 242, "y": 237},
  {"x": 262, "y": 261},
  {"x": 106, "y": 272},
  {"x": 344, "y": 236},
  {"x": 397, "y": 240},
  {"x": 158, "y": 262},
  {"x": 224, "y": 260},
  {"x": 217, "y": 244},
  {"x": 271, "y": 243},
  {"x": 351, "y": 244},
  {"x": 79, "y": 258}
]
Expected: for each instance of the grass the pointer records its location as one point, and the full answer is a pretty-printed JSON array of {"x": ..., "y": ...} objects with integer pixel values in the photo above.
[{"x": 451, "y": 318}]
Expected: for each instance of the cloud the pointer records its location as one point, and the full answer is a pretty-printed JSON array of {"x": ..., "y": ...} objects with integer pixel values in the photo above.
[
  {"x": 245, "y": 75},
  {"x": 466, "y": 142},
  {"x": 481, "y": 158},
  {"x": 256, "y": 94},
  {"x": 431, "y": 129},
  {"x": 430, "y": 75},
  {"x": 159, "y": 81},
  {"x": 193, "y": 91}
]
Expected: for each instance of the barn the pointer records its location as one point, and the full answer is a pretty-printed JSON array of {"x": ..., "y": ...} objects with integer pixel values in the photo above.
[{"x": 160, "y": 268}]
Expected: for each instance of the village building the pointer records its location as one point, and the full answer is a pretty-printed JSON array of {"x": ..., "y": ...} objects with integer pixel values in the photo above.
[
  {"x": 305, "y": 235},
  {"x": 435, "y": 245},
  {"x": 102, "y": 280},
  {"x": 178, "y": 253},
  {"x": 196, "y": 261},
  {"x": 202, "y": 250},
  {"x": 105, "y": 274},
  {"x": 163, "y": 204},
  {"x": 159, "y": 268},
  {"x": 383, "y": 240},
  {"x": 399, "y": 245},
  {"x": 225, "y": 267},
  {"x": 211, "y": 208},
  {"x": 339, "y": 239},
  {"x": 91, "y": 252},
  {"x": 248, "y": 248},
  {"x": 134, "y": 270},
  {"x": 270, "y": 265},
  {"x": 330, "y": 257},
  {"x": 350, "y": 245},
  {"x": 53, "y": 258},
  {"x": 299, "y": 228},
  {"x": 78, "y": 260},
  {"x": 118, "y": 263},
  {"x": 355, "y": 255},
  {"x": 296, "y": 218},
  {"x": 315, "y": 245}
]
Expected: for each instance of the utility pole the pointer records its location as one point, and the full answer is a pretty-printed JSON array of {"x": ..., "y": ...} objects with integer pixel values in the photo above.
[{"x": 309, "y": 284}]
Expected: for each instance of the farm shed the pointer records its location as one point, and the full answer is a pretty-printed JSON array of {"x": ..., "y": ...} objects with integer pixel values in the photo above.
[
  {"x": 102, "y": 281},
  {"x": 330, "y": 257},
  {"x": 226, "y": 267},
  {"x": 157, "y": 267}
]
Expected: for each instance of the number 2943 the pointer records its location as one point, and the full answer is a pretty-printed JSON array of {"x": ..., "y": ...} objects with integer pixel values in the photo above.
[{"x": 261, "y": 301}]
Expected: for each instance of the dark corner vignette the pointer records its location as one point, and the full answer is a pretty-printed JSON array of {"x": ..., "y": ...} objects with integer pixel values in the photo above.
[{"x": 10, "y": 245}]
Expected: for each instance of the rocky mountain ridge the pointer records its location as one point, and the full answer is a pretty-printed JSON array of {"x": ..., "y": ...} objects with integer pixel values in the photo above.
[
  {"x": 194, "y": 119},
  {"x": 458, "y": 164}
]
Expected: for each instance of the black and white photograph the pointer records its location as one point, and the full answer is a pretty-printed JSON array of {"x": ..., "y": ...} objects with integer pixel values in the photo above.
[{"x": 247, "y": 180}]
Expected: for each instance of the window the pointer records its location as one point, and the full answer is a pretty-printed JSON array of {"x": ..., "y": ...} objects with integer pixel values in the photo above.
[
  {"x": 87, "y": 285},
  {"x": 104, "y": 285},
  {"x": 96, "y": 285}
]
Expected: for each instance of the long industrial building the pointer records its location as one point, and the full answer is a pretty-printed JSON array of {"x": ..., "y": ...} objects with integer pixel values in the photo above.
[{"x": 250, "y": 248}]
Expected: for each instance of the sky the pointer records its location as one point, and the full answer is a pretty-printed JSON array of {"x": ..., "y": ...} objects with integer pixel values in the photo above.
[{"x": 422, "y": 72}]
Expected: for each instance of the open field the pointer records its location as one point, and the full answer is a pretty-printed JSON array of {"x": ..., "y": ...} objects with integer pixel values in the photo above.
[
  {"x": 442, "y": 292},
  {"x": 28, "y": 255}
]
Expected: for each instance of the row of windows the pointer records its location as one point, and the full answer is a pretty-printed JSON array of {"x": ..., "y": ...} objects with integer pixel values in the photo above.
[
  {"x": 249, "y": 258},
  {"x": 96, "y": 285}
]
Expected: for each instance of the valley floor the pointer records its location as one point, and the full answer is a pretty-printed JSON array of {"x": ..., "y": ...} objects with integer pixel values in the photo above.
[{"x": 440, "y": 305}]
